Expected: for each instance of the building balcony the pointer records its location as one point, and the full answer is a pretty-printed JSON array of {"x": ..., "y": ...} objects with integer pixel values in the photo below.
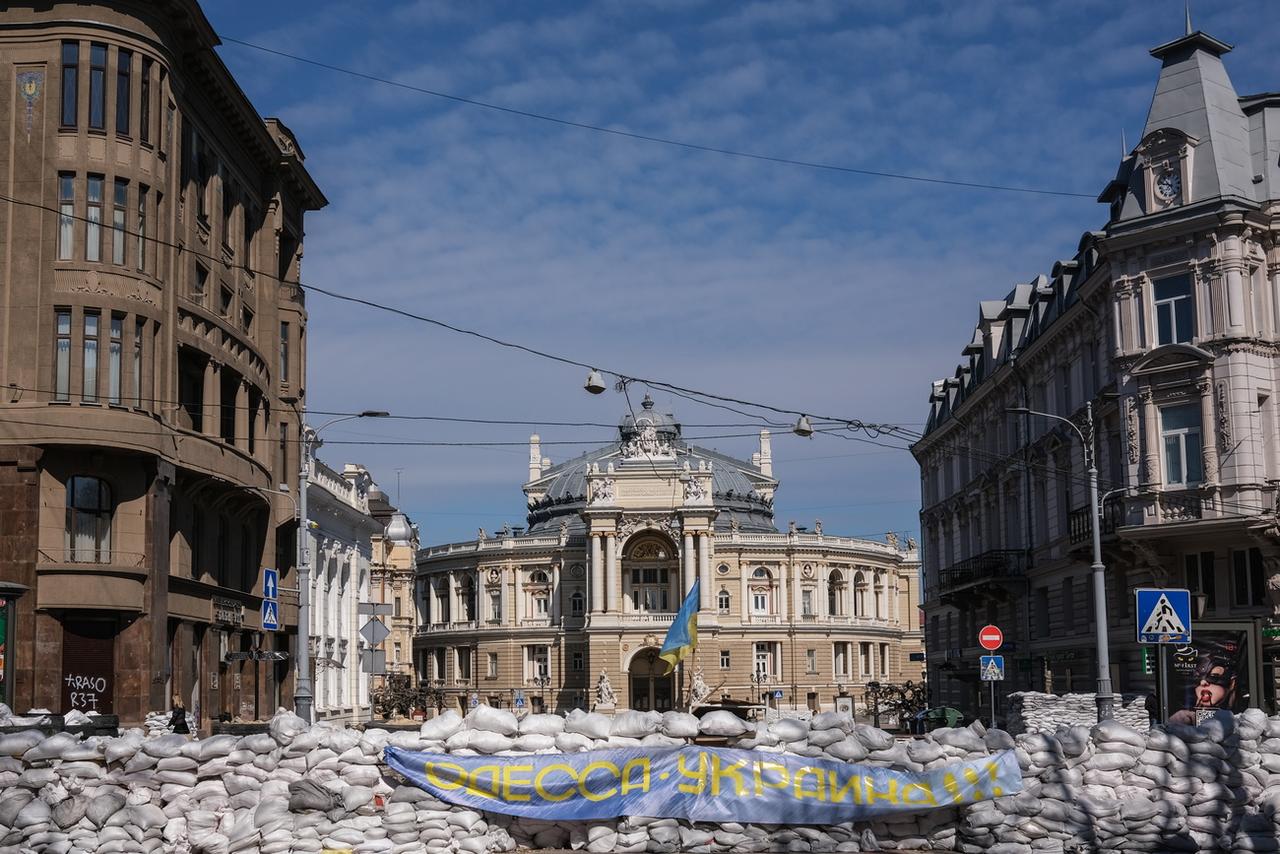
[
  {"x": 1180, "y": 506},
  {"x": 976, "y": 575},
  {"x": 1080, "y": 524}
]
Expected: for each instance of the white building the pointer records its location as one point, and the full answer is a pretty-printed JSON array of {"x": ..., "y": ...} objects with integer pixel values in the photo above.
[{"x": 342, "y": 530}]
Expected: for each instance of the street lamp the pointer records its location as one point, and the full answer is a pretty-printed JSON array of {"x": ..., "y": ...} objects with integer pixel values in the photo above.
[
  {"x": 302, "y": 695},
  {"x": 1105, "y": 698},
  {"x": 760, "y": 677}
]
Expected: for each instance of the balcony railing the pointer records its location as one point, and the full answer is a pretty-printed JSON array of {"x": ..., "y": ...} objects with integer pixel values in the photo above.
[
  {"x": 1180, "y": 506},
  {"x": 1080, "y": 525},
  {"x": 92, "y": 555},
  {"x": 989, "y": 566}
]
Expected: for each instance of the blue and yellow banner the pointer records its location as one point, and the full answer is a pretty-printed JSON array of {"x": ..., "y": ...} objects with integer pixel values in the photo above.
[
  {"x": 700, "y": 784},
  {"x": 683, "y": 634}
]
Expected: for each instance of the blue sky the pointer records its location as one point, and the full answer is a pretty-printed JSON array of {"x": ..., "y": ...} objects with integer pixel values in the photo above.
[{"x": 810, "y": 290}]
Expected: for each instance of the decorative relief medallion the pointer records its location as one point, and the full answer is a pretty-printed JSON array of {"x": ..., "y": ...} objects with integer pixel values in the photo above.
[
  {"x": 602, "y": 491},
  {"x": 494, "y": 576},
  {"x": 807, "y": 572},
  {"x": 29, "y": 85},
  {"x": 576, "y": 571}
]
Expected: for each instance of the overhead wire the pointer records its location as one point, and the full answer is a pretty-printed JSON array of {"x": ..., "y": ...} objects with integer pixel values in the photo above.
[{"x": 653, "y": 138}]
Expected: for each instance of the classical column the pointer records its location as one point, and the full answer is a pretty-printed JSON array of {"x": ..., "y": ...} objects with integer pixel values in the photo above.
[
  {"x": 704, "y": 570},
  {"x": 781, "y": 590},
  {"x": 744, "y": 602},
  {"x": 597, "y": 576},
  {"x": 1151, "y": 430},
  {"x": 611, "y": 584},
  {"x": 796, "y": 614},
  {"x": 1208, "y": 431},
  {"x": 555, "y": 594},
  {"x": 687, "y": 559},
  {"x": 517, "y": 605},
  {"x": 242, "y": 416},
  {"x": 453, "y": 598},
  {"x": 209, "y": 415}
]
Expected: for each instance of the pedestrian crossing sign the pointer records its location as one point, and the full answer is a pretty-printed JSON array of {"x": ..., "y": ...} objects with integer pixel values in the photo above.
[
  {"x": 991, "y": 668},
  {"x": 1164, "y": 615},
  {"x": 270, "y": 615}
]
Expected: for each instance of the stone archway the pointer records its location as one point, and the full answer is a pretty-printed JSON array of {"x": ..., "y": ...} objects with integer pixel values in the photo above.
[{"x": 649, "y": 688}]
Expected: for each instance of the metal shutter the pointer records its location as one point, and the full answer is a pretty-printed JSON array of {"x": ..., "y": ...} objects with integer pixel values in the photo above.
[{"x": 88, "y": 666}]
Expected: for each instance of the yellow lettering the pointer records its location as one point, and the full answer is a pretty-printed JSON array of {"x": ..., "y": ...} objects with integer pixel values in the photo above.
[
  {"x": 510, "y": 779},
  {"x": 494, "y": 773},
  {"x": 919, "y": 794},
  {"x": 994, "y": 771},
  {"x": 700, "y": 776},
  {"x": 586, "y": 772},
  {"x": 730, "y": 771},
  {"x": 971, "y": 777},
  {"x": 763, "y": 782},
  {"x": 819, "y": 792},
  {"x": 459, "y": 775},
  {"x": 890, "y": 794},
  {"x": 545, "y": 793},
  {"x": 852, "y": 788},
  {"x": 953, "y": 789},
  {"x": 640, "y": 764}
]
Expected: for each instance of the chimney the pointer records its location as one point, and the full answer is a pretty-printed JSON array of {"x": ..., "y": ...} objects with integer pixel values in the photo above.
[{"x": 535, "y": 457}]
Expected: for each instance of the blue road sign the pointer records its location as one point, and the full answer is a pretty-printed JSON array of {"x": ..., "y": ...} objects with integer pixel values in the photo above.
[
  {"x": 475, "y": 700},
  {"x": 777, "y": 695},
  {"x": 1164, "y": 615},
  {"x": 270, "y": 583},
  {"x": 519, "y": 699},
  {"x": 270, "y": 615},
  {"x": 991, "y": 668}
]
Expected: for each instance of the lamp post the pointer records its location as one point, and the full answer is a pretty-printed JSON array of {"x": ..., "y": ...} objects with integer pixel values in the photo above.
[
  {"x": 760, "y": 677},
  {"x": 1104, "y": 698},
  {"x": 302, "y": 695}
]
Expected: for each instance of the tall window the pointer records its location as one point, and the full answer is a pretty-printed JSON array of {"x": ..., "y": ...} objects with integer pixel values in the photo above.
[
  {"x": 537, "y": 662},
  {"x": 124, "y": 68},
  {"x": 864, "y": 659},
  {"x": 806, "y": 602},
  {"x": 66, "y": 215},
  {"x": 841, "y": 658},
  {"x": 70, "y": 83},
  {"x": 810, "y": 661},
  {"x": 118, "y": 212},
  {"x": 650, "y": 589},
  {"x": 577, "y": 603},
  {"x": 1180, "y": 433},
  {"x": 115, "y": 352},
  {"x": 575, "y": 661},
  {"x": 142, "y": 227},
  {"x": 764, "y": 659},
  {"x": 723, "y": 601},
  {"x": 884, "y": 659},
  {"x": 228, "y": 207},
  {"x": 1200, "y": 577},
  {"x": 724, "y": 659},
  {"x": 1174, "y": 320},
  {"x": 284, "y": 353},
  {"x": 200, "y": 284},
  {"x": 835, "y": 593},
  {"x": 90, "y": 392},
  {"x": 93, "y": 215},
  {"x": 98, "y": 86},
  {"x": 144, "y": 103},
  {"x": 62, "y": 356},
  {"x": 1068, "y": 604},
  {"x": 139, "y": 332},
  {"x": 495, "y": 605},
  {"x": 1248, "y": 577},
  {"x": 88, "y": 534},
  {"x": 492, "y": 669},
  {"x": 462, "y": 657}
]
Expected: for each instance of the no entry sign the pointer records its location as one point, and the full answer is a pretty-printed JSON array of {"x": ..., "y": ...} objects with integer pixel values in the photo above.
[{"x": 990, "y": 638}]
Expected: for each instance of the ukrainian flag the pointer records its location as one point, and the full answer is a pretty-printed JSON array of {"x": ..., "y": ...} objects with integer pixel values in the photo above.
[{"x": 683, "y": 634}]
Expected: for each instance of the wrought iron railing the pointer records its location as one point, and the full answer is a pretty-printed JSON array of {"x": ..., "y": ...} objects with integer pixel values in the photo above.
[
  {"x": 1080, "y": 525},
  {"x": 988, "y": 566}
]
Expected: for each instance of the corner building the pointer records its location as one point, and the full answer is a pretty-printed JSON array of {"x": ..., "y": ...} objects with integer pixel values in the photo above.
[
  {"x": 1165, "y": 325},
  {"x": 615, "y": 539},
  {"x": 148, "y": 349}
]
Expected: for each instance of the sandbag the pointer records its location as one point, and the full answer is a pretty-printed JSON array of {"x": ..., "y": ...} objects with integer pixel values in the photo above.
[
  {"x": 591, "y": 724},
  {"x": 442, "y": 726},
  {"x": 679, "y": 725},
  {"x": 722, "y": 723},
  {"x": 488, "y": 719},
  {"x": 551, "y": 725}
]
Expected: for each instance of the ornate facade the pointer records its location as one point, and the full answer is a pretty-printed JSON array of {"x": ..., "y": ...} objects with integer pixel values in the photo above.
[
  {"x": 572, "y": 611},
  {"x": 1166, "y": 322},
  {"x": 148, "y": 350}
]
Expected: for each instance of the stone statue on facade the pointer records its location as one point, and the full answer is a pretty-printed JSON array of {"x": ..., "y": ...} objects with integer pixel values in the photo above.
[
  {"x": 892, "y": 539},
  {"x": 699, "y": 691},
  {"x": 605, "y": 698},
  {"x": 817, "y": 527},
  {"x": 694, "y": 491}
]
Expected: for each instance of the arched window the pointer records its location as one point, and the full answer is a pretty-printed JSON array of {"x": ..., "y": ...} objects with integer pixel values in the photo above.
[
  {"x": 89, "y": 509},
  {"x": 879, "y": 594},
  {"x": 835, "y": 593},
  {"x": 538, "y": 577},
  {"x": 859, "y": 594},
  {"x": 577, "y": 603},
  {"x": 467, "y": 598},
  {"x": 722, "y": 601},
  {"x": 761, "y": 591}
]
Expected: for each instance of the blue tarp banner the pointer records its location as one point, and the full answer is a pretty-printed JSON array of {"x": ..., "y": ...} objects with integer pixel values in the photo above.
[{"x": 700, "y": 784}]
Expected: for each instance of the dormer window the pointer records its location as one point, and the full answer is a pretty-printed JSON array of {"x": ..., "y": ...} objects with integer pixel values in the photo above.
[{"x": 1165, "y": 155}]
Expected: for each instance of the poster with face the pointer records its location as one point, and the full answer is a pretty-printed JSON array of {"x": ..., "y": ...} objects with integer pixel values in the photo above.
[{"x": 1209, "y": 674}]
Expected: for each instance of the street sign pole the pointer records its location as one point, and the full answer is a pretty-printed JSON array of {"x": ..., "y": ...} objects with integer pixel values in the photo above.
[
  {"x": 1162, "y": 684},
  {"x": 993, "y": 705}
]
